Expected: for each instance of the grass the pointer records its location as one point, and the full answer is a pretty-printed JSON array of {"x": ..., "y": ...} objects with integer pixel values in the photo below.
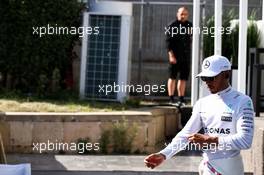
[{"x": 21, "y": 103}]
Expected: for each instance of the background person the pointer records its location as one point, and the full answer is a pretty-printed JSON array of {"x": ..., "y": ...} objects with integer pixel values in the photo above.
[
  {"x": 178, "y": 41},
  {"x": 227, "y": 118}
]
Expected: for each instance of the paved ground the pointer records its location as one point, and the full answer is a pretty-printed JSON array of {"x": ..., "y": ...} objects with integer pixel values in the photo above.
[
  {"x": 76, "y": 164},
  {"x": 45, "y": 164}
]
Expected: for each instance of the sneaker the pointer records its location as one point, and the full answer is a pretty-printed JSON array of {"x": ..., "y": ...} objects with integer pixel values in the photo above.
[
  {"x": 172, "y": 102},
  {"x": 180, "y": 104},
  {"x": 171, "y": 99},
  {"x": 182, "y": 99}
]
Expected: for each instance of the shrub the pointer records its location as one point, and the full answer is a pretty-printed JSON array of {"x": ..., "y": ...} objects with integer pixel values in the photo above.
[
  {"x": 120, "y": 138},
  {"x": 230, "y": 42},
  {"x": 253, "y": 34},
  {"x": 30, "y": 60},
  {"x": 85, "y": 146},
  {"x": 105, "y": 141},
  {"x": 208, "y": 43}
]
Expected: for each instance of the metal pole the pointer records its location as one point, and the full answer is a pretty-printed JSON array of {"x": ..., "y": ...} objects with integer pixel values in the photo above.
[
  {"x": 140, "y": 42},
  {"x": 201, "y": 89},
  {"x": 195, "y": 50},
  {"x": 218, "y": 25},
  {"x": 262, "y": 10},
  {"x": 242, "y": 47}
]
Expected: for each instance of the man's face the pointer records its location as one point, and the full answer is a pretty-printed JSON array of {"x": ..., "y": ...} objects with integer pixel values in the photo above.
[
  {"x": 182, "y": 14},
  {"x": 217, "y": 83}
]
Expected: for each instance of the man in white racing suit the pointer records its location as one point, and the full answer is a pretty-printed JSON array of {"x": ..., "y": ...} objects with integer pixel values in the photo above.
[{"x": 227, "y": 118}]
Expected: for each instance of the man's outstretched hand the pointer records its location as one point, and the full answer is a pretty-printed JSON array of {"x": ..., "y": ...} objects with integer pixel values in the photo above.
[
  {"x": 154, "y": 160},
  {"x": 202, "y": 139}
]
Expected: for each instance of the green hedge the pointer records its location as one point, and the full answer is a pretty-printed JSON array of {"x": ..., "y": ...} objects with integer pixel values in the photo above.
[
  {"x": 230, "y": 41},
  {"x": 28, "y": 62}
]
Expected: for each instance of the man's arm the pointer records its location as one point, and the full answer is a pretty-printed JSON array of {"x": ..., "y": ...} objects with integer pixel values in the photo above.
[
  {"x": 154, "y": 160},
  {"x": 180, "y": 141},
  {"x": 203, "y": 139},
  {"x": 172, "y": 57},
  {"x": 170, "y": 45},
  {"x": 169, "y": 38},
  {"x": 245, "y": 128}
]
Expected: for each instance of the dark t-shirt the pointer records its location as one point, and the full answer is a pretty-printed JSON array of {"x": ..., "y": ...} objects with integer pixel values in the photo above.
[{"x": 179, "y": 39}]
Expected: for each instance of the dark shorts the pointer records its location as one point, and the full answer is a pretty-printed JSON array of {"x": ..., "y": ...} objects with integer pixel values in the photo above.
[{"x": 181, "y": 68}]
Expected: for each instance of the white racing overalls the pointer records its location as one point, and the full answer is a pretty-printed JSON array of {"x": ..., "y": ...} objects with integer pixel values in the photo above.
[{"x": 229, "y": 115}]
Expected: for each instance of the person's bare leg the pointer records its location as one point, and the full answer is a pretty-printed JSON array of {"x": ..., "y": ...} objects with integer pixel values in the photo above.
[
  {"x": 181, "y": 85},
  {"x": 171, "y": 87}
]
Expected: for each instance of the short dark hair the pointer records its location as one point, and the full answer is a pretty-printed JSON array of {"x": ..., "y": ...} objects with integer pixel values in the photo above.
[{"x": 184, "y": 7}]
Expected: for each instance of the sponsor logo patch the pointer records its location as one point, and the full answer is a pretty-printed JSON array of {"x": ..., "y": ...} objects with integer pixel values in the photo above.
[
  {"x": 207, "y": 64},
  {"x": 226, "y": 118},
  {"x": 217, "y": 130}
]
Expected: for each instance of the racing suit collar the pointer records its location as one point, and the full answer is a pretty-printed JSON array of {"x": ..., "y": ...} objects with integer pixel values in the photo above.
[{"x": 224, "y": 92}]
